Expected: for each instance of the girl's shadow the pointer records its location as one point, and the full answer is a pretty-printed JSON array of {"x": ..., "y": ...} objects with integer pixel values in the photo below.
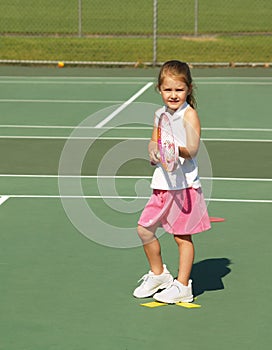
[{"x": 208, "y": 274}]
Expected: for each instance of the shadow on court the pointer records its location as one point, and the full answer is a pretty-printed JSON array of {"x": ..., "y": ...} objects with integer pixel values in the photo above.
[{"x": 207, "y": 274}]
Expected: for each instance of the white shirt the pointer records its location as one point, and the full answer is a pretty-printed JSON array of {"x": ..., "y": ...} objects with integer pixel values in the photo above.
[{"x": 186, "y": 173}]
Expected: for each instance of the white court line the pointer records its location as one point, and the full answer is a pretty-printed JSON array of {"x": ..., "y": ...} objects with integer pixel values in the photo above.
[
  {"x": 73, "y": 138},
  {"x": 56, "y": 82},
  {"x": 236, "y": 129},
  {"x": 120, "y": 138},
  {"x": 22, "y": 196},
  {"x": 236, "y": 179},
  {"x": 67, "y": 80},
  {"x": 73, "y": 80},
  {"x": 56, "y": 101},
  {"x": 27, "y": 126},
  {"x": 124, "y": 105},
  {"x": 3, "y": 199},
  {"x": 17, "y": 126},
  {"x": 129, "y": 177},
  {"x": 240, "y": 200},
  {"x": 234, "y": 140},
  {"x": 234, "y": 83}
]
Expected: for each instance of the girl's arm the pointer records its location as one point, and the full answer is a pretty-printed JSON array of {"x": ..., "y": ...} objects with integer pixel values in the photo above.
[
  {"x": 193, "y": 131},
  {"x": 153, "y": 147}
]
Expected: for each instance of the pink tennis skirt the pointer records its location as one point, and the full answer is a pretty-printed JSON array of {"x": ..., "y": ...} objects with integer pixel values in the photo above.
[{"x": 180, "y": 212}]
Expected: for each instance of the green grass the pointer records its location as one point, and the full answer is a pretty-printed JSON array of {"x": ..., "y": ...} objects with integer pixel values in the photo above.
[
  {"x": 48, "y": 30},
  {"x": 220, "y": 49}
]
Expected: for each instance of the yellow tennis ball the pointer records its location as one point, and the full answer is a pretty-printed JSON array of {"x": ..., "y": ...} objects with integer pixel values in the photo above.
[{"x": 60, "y": 64}]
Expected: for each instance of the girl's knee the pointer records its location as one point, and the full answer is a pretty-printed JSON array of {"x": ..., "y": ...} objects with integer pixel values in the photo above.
[
  {"x": 183, "y": 239},
  {"x": 145, "y": 234}
]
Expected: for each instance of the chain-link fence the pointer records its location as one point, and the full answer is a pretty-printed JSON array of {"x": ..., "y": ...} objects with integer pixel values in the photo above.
[{"x": 136, "y": 32}]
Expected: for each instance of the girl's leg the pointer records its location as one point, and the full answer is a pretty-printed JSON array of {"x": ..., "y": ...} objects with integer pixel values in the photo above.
[
  {"x": 159, "y": 277},
  {"x": 181, "y": 289},
  {"x": 186, "y": 257},
  {"x": 152, "y": 248}
]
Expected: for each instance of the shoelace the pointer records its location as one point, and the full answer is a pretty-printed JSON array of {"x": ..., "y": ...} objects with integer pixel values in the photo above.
[{"x": 144, "y": 278}]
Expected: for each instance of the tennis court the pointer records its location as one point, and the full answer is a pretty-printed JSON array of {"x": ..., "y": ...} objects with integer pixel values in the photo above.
[{"x": 74, "y": 140}]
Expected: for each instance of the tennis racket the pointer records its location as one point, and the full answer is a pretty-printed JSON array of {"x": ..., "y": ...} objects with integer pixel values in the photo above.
[{"x": 167, "y": 146}]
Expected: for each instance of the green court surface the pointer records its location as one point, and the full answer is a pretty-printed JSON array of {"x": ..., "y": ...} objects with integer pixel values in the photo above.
[{"x": 61, "y": 289}]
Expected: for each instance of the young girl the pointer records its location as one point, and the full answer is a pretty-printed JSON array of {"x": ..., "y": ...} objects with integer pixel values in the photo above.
[{"x": 177, "y": 202}]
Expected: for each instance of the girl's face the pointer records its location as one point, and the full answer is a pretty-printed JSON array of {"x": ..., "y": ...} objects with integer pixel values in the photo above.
[{"x": 174, "y": 92}]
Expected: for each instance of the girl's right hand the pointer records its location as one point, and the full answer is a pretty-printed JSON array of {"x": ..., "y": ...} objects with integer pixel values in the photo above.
[{"x": 154, "y": 156}]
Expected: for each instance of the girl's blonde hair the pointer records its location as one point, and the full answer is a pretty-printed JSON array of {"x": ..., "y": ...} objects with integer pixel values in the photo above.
[{"x": 180, "y": 71}]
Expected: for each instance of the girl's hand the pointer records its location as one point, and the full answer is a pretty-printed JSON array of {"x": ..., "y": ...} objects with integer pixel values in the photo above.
[
  {"x": 154, "y": 156},
  {"x": 153, "y": 151}
]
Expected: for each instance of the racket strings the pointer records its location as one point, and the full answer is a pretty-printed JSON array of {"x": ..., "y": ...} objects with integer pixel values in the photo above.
[{"x": 166, "y": 143}]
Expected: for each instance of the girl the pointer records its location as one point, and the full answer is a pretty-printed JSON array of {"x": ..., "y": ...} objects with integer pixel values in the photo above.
[{"x": 177, "y": 202}]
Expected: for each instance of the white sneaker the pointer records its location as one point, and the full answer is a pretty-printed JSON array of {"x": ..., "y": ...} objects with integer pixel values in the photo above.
[
  {"x": 152, "y": 283},
  {"x": 176, "y": 293}
]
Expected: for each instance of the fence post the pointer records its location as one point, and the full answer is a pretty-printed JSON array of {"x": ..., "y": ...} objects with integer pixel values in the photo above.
[
  {"x": 79, "y": 18},
  {"x": 196, "y": 17},
  {"x": 155, "y": 29}
]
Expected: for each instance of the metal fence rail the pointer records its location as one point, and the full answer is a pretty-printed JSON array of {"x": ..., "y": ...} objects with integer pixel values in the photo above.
[{"x": 129, "y": 32}]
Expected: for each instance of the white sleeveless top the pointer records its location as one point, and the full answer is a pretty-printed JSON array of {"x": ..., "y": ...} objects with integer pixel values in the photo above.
[{"x": 186, "y": 173}]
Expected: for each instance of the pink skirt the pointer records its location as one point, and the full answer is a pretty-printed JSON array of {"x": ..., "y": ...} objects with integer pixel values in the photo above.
[{"x": 180, "y": 212}]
